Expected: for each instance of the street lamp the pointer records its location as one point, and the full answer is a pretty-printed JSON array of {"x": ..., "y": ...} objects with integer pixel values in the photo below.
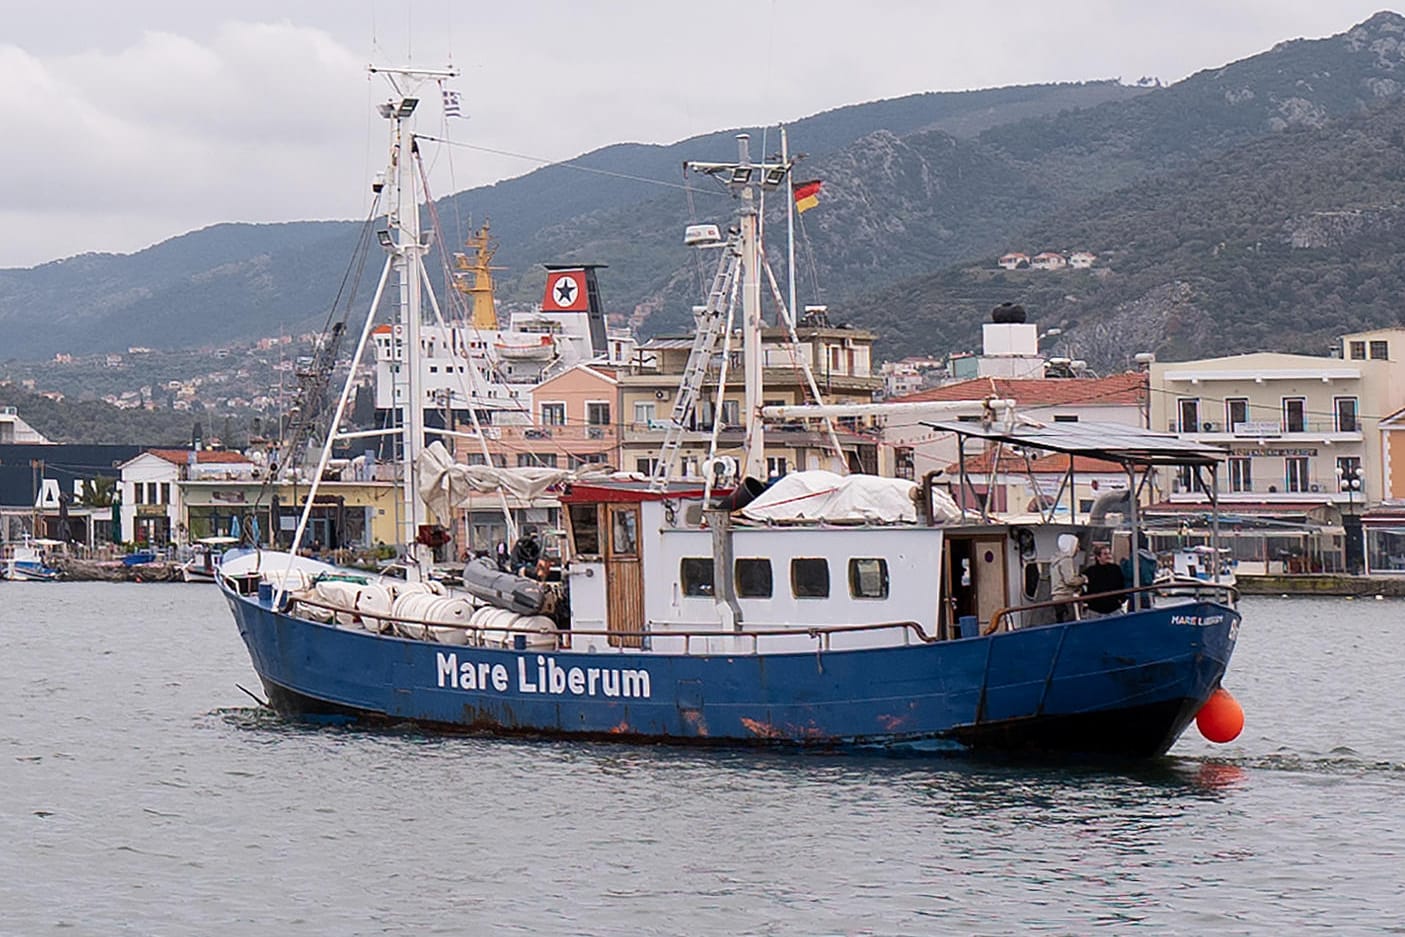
[{"x": 1351, "y": 481}]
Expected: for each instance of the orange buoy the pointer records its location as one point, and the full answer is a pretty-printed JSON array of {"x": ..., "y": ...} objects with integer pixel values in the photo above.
[{"x": 1221, "y": 719}]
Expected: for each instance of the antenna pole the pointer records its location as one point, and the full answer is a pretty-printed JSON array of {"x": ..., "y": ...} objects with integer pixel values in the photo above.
[{"x": 789, "y": 229}]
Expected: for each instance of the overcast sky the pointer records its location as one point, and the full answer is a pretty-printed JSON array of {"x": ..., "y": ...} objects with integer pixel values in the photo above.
[{"x": 129, "y": 123}]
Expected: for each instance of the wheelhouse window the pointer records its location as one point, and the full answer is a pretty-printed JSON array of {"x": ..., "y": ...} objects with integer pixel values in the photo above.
[
  {"x": 868, "y": 578},
  {"x": 1380, "y": 351},
  {"x": 585, "y": 529},
  {"x": 1346, "y": 415},
  {"x": 695, "y": 575},
  {"x": 625, "y": 538},
  {"x": 809, "y": 577},
  {"x": 1294, "y": 415},
  {"x": 1358, "y": 351},
  {"x": 753, "y": 575}
]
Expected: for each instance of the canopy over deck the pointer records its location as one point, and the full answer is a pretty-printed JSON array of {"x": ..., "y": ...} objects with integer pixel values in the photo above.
[{"x": 1116, "y": 442}]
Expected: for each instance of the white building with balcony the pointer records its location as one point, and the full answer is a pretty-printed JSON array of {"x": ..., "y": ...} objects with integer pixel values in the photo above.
[{"x": 1294, "y": 425}]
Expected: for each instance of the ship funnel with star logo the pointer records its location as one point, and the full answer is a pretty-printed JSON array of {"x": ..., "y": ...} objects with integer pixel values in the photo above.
[{"x": 574, "y": 289}]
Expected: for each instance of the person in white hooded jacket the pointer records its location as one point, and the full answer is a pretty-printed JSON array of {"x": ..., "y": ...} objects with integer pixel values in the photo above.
[{"x": 1065, "y": 580}]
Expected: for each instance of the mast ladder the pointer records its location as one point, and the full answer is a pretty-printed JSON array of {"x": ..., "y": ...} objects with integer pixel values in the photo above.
[{"x": 711, "y": 322}]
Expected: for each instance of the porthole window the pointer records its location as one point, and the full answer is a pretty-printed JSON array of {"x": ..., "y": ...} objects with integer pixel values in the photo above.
[
  {"x": 809, "y": 577},
  {"x": 868, "y": 578},
  {"x": 695, "y": 573},
  {"x": 753, "y": 578}
]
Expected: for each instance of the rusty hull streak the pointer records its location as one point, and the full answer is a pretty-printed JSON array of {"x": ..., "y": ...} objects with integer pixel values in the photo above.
[
  {"x": 696, "y": 720},
  {"x": 762, "y": 730},
  {"x": 891, "y": 723}
]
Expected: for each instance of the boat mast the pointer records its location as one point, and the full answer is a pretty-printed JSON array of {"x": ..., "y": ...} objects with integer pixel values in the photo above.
[
  {"x": 744, "y": 178},
  {"x": 407, "y": 247},
  {"x": 754, "y": 449}
]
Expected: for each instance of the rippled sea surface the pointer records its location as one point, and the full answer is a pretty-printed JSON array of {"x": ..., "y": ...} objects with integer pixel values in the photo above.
[{"x": 141, "y": 792}]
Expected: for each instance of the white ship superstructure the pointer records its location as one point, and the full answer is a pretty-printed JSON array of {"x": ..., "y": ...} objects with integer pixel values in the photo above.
[{"x": 499, "y": 367}]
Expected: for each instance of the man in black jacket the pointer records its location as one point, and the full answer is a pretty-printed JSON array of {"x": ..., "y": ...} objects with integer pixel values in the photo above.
[
  {"x": 1103, "y": 575},
  {"x": 526, "y": 553}
]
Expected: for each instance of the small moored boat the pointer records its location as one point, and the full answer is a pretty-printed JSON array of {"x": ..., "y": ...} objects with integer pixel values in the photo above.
[{"x": 206, "y": 555}]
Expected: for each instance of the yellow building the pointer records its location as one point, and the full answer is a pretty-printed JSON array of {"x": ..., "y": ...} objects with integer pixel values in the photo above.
[{"x": 345, "y": 514}]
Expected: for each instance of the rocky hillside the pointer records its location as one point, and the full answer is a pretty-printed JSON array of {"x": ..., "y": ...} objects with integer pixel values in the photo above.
[{"x": 1193, "y": 196}]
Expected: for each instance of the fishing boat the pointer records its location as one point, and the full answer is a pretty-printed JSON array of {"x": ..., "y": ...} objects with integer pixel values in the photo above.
[
  {"x": 28, "y": 560},
  {"x": 819, "y": 610},
  {"x": 1198, "y": 563},
  {"x": 206, "y": 555}
]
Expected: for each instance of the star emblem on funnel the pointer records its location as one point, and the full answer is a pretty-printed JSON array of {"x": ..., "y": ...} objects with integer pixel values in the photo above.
[{"x": 565, "y": 292}]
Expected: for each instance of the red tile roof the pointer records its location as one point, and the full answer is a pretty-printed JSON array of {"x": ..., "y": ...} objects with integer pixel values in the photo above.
[
  {"x": 182, "y": 456},
  {"x": 1053, "y": 464},
  {"x": 1127, "y": 389}
]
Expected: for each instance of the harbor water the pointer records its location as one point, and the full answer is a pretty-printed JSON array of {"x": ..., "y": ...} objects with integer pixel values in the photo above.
[{"x": 143, "y": 792}]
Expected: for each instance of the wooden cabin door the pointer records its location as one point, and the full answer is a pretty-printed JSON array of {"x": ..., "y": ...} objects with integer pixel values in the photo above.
[
  {"x": 974, "y": 573},
  {"x": 988, "y": 566},
  {"x": 624, "y": 581}
]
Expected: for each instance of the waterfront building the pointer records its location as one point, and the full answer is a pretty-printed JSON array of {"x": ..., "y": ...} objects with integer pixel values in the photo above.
[
  {"x": 1307, "y": 446},
  {"x": 839, "y": 358}
]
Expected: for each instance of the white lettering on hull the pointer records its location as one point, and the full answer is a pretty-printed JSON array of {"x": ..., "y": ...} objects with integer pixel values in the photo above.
[{"x": 542, "y": 676}]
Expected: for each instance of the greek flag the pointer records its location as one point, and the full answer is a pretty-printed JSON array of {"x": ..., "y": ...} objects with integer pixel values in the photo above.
[{"x": 452, "y": 107}]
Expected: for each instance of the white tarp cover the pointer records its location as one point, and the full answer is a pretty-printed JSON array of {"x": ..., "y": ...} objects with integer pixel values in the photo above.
[
  {"x": 824, "y": 496},
  {"x": 446, "y": 484}
]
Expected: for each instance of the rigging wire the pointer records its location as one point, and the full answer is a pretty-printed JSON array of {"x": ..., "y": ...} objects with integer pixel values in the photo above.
[
  {"x": 543, "y": 161},
  {"x": 344, "y": 299}
]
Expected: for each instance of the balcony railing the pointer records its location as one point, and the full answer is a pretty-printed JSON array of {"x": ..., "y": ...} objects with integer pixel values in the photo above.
[
  {"x": 1273, "y": 487},
  {"x": 568, "y": 433},
  {"x": 1258, "y": 429}
]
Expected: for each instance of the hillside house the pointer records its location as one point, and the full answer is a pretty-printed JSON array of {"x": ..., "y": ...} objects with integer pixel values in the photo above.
[
  {"x": 1013, "y": 260},
  {"x": 1048, "y": 260}
]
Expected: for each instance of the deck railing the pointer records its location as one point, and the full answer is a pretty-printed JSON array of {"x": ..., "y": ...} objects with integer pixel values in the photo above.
[
  {"x": 1197, "y": 590},
  {"x": 820, "y": 633}
]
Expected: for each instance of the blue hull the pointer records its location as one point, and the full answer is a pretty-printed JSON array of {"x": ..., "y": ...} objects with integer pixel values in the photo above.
[{"x": 1127, "y": 685}]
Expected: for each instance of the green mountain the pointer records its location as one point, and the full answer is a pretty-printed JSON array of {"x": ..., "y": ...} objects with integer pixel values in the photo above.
[
  {"x": 1283, "y": 243},
  {"x": 1169, "y": 186},
  {"x": 93, "y": 422}
]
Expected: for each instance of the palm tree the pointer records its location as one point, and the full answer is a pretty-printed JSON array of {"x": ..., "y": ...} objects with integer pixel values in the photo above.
[{"x": 98, "y": 492}]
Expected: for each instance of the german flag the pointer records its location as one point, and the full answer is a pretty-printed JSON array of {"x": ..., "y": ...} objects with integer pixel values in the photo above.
[{"x": 806, "y": 195}]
